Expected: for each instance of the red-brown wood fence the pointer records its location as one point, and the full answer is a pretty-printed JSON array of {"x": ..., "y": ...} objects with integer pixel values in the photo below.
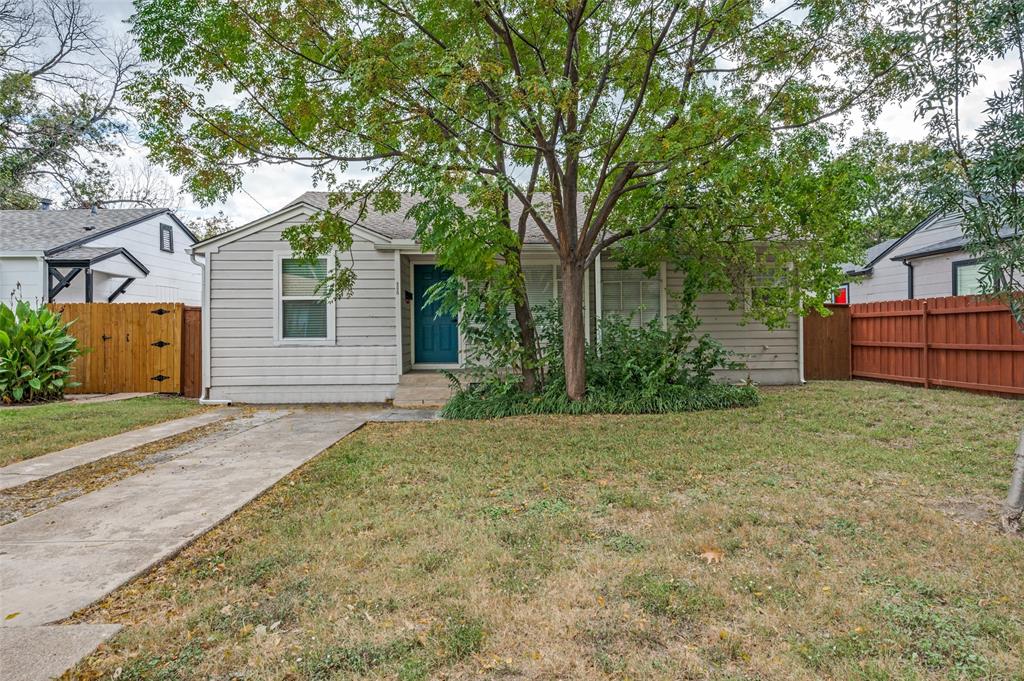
[
  {"x": 192, "y": 351},
  {"x": 827, "y": 344},
  {"x": 957, "y": 342}
]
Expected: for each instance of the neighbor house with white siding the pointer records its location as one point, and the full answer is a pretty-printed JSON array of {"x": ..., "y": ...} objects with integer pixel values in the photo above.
[
  {"x": 130, "y": 255},
  {"x": 267, "y": 336},
  {"x": 929, "y": 261}
]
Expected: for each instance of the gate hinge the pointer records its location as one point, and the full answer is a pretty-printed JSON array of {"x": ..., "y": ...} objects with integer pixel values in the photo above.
[
  {"x": 160, "y": 377},
  {"x": 160, "y": 343},
  {"x": 160, "y": 311}
]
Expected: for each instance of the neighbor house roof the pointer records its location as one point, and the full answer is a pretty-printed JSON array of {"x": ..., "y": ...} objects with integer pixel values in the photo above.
[
  {"x": 948, "y": 246},
  {"x": 53, "y": 231},
  {"x": 881, "y": 249},
  {"x": 397, "y": 225},
  {"x": 870, "y": 257}
]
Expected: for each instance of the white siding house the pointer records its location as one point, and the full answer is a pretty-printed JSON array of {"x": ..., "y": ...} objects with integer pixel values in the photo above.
[
  {"x": 104, "y": 255},
  {"x": 928, "y": 261},
  {"x": 267, "y": 339}
]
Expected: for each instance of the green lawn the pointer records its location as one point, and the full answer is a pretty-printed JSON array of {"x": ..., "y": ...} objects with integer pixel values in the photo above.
[
  {"x": 39, "y": 429},
  {"x": 837, "y": 531}
]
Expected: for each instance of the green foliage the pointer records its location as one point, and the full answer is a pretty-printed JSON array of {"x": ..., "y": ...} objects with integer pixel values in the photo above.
[
  {"x": 900, "y": 183},
  {"x": 986, "y": 177},
  {"x": 632, "y": 370},
  {"x": 36, "y": 352},
  {"x": 60, "y": 108}
]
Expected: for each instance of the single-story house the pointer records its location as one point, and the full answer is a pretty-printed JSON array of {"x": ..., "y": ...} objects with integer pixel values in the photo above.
[
  {"x": 267, "y": 337},
  {"x": 96, "y": 255},
  {"x": 928, "y": 261}
]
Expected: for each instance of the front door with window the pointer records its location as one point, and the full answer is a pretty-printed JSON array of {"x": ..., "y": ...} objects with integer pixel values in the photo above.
[{"x": 436, "y": 333}]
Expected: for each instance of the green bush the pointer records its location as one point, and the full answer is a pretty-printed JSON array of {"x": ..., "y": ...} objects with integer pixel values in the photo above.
[
  {"x": 36, "y": 353},
  {"x": 645, "y": 370}
]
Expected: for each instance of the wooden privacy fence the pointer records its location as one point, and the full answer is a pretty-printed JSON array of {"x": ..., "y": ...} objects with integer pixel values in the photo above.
[
  {"x": 827, "y": 344},
  {"x": 134, "y": 347},
  {"x": 958, "y": 342}
]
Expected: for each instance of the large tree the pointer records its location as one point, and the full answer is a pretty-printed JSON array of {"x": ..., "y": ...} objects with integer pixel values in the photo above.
[
  {"x": 61, "y": 112},
  {"x": 902, "y": 179},
  {"x": 958, "y": 37},
  {"x": 603, "y": 122}
]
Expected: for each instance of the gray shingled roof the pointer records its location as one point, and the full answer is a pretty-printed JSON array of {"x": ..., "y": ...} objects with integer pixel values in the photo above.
[
  {"x": 948, "y": 246},
  {"x": 396, "y": 225},
  {"x": 869, "y": 257},
  {"x": 83, "y": 253},
  {"x": 48, "y": 230}
]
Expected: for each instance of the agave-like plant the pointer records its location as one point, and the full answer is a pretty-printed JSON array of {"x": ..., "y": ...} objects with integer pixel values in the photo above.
[{"x": 36, "y": 353}]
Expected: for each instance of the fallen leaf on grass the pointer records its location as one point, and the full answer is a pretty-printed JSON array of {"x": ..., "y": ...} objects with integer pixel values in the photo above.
[{"x": 711, "y": 555}]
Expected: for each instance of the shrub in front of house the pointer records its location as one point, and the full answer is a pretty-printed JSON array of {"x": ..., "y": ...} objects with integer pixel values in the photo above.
[
  {"x": 36, "y": 353},
  {"x": 632, "y": 370}
]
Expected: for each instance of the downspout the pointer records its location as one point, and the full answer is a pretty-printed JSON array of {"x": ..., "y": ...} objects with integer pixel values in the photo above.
[
  {"x": 204, "y": 394},
  {"x": 800, "y": 345}
]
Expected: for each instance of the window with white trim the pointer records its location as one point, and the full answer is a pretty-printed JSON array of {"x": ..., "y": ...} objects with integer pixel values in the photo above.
[
  {"x": 302, "y": 313},
  {"x": 630, "y": 294}
]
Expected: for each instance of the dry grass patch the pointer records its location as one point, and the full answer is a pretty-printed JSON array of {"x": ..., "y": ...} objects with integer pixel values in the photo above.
[
  {"x": 32, "y": 430},
  {"x": 554, "y": 547}
]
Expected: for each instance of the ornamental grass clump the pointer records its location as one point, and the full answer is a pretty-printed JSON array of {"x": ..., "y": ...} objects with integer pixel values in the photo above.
[{"x": 36, "y": 353}]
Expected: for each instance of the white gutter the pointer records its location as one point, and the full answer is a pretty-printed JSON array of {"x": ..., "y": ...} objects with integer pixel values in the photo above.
[{"x": 204, "y": 393}]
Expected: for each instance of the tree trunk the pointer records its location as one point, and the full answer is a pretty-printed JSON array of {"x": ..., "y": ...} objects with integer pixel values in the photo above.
[
  {"x": 573, "y": 332},
  {"x": 1013, "y": 511},
  {"x": 528, "y": 339}
]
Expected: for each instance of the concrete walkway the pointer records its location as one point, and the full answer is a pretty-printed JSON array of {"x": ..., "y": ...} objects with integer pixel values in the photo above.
[
  {"x": 65, "y": 558},
  {"x": 46, "y": 465}
]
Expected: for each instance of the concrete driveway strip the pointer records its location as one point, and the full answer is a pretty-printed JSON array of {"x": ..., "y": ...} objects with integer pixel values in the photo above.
[
  {"x": 33, "y": 653},
  {"x": 57, "y": 462},
  {"x": 65, "y": 558}
]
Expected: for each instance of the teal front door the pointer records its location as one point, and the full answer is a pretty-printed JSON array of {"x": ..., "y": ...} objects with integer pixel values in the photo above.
[{"x": 437, "y": 334}]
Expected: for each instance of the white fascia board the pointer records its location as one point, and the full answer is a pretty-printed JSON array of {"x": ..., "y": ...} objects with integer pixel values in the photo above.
[{"x": 21, "y": 254}]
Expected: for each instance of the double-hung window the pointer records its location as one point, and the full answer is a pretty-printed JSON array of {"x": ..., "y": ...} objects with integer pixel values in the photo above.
[
  {"x": 630, "y": 294},
  {"x": 302, "y": 315}
]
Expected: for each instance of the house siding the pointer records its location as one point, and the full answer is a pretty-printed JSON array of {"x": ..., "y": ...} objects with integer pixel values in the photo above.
[
  {"x": 22, "y": 278},
  {"x": 888, "y": 278},
  {"x": 248, "y": 365},
  {"x": 771, "y": 356},
  {"x": 173, "y": 277}
]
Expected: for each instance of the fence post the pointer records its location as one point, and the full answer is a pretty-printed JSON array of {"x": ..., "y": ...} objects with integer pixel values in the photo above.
[{"x": 924, "y": 327}]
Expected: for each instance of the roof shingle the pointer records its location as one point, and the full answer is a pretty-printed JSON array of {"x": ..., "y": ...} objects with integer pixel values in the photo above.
[{"x": 48, "y": 230}]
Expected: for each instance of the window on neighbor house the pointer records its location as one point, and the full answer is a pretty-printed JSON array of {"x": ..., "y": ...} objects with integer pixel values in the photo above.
[
  {"x": 841, "y": 295},
  {"x": 630, "y": 294},
  {"x": 303, "y": 314},
  {"x": 166, "y": 239},
  {"x": 966, "y": 278}
]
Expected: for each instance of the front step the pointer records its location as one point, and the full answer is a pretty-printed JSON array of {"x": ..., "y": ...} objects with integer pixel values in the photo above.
[{"x": 422, "y": 389}]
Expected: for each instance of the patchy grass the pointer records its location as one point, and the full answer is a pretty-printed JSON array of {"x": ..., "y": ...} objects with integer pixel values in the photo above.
[
  {"x": 555, "y": 547},
  {"x": 29, "y": 431}
]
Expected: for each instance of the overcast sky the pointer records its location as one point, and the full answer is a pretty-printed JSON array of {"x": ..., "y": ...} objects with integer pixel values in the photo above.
[{"x": 269, "y": 188}]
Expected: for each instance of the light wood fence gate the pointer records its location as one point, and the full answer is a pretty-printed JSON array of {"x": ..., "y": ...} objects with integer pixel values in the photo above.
[{"x": 132, "y": 347}]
